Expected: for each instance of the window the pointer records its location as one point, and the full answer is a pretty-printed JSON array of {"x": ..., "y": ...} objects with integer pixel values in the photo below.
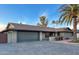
[{"x": 46, "y": 35}]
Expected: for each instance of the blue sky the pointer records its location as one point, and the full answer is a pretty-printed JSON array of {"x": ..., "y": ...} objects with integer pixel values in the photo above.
[{"x": 29, "y": 13}]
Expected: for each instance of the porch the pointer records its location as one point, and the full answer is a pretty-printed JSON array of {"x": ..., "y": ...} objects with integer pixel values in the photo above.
[{"x": 48, "y": 36}]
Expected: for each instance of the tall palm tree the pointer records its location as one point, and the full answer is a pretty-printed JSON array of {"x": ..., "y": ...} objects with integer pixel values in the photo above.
[
  {"x": 43, "y": 21},
  {"x": 69, "y": 14}
]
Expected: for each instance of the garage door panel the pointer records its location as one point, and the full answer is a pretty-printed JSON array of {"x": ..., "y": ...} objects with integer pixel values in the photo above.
[{"x": 27, "y": 36}]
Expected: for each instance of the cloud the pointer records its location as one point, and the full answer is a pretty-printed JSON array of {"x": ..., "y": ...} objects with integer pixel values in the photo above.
[
  {"x": 23, "y": 22},
  {"x": 45, "y": 13},
  {"x": 2, "y": 27}
]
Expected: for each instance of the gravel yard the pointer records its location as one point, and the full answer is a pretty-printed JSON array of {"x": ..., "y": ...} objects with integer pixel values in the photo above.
[{"x": 39, "y": 48}]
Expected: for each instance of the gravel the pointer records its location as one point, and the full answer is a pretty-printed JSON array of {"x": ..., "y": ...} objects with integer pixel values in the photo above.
[{"x": 39, "y": 48}]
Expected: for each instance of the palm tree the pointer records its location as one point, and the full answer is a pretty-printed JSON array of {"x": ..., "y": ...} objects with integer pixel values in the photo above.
[
  {"x": 69, "y": 14},
  {"x": 43, "y": 21}
]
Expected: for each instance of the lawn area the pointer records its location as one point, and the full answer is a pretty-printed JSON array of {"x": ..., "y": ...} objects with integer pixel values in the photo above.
[{"x": 75, "y": 41}]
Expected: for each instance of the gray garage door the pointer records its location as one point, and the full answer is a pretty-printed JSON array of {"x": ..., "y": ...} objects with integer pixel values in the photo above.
[{"x": 28, "y": 36}]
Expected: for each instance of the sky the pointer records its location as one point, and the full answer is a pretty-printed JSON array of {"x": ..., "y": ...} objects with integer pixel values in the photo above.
[{"x": 28, "y": 14}]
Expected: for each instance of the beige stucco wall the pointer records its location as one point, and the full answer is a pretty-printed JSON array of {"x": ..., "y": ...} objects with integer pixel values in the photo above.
[
  {"x": 43, "y": 35},
  {"x": 61, "y": 34},
  {"x": 66, "y": 35},
  {"x": 77, "y": 35},
  {"x": 12, "y": 36},
  {"x": 40, "y": 36}
]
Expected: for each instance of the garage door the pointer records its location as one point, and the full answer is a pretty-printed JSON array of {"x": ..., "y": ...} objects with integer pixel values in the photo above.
[{"x": 27, "y": 36}]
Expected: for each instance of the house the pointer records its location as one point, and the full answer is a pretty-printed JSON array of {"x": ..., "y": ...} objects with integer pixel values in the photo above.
[{"x": 21, "y": 33}]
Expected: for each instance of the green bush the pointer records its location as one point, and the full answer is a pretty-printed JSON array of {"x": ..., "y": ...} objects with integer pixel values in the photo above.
[{"x": 75, "y": 41}]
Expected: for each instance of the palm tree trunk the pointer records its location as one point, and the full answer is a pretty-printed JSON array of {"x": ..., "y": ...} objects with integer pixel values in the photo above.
[{"x": 75, "y": 29}]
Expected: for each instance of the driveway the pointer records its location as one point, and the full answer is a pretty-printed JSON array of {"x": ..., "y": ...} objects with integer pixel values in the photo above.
[{"x": 39, "y": 48}]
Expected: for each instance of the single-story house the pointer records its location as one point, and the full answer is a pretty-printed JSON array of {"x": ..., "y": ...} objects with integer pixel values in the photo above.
[{"x": 22, "y": 32}]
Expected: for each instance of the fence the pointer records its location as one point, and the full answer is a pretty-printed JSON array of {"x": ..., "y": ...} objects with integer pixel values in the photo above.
[{"x": 3, "y": 38}]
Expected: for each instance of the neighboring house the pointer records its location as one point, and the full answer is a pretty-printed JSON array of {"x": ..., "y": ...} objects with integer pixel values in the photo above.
[{"x": 21, "y": 32}]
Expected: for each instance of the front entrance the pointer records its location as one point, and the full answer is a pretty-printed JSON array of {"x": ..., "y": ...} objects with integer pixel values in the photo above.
[{"x": 46, "y": 35}]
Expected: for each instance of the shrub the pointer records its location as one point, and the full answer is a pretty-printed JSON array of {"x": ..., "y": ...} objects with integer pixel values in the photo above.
[{"x": 57, "y": 38}]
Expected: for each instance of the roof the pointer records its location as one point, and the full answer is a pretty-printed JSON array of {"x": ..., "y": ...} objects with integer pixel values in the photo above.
[
  {"x": 16, "y": 26},
  {"x": 77, "y": 30}
]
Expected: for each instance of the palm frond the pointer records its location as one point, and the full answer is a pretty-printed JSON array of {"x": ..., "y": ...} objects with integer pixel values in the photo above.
[
  {"x": 63, "y": 19},
  {"x": 62, "y": 7},
  {"x": 62, "y": 16},
  {"x": 68, "y": 12},
  {"x": 70, "y": 18}
]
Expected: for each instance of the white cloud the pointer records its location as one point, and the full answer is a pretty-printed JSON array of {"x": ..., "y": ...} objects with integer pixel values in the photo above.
[
  {"x": 45, "y": 13},
  {"x": 2, "y": 27},
  {"x": 23, "y": 22}
]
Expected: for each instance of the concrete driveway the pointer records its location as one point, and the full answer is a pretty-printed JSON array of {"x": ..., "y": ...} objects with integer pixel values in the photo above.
[{"x": 40, "y": 48}]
